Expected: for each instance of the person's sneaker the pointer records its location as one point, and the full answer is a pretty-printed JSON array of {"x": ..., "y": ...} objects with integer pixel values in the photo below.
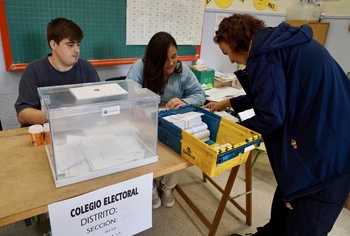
[
  {"x": 168, "y": 199},
  {"x": 155, "y": 198}
]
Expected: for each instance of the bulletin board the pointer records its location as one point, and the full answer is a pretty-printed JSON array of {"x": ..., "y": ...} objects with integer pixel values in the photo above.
[{"x": 23, "y": 31}]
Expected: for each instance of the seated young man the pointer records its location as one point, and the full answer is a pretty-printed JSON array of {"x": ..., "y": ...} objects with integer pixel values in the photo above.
[{"x": 62, "y": 66}]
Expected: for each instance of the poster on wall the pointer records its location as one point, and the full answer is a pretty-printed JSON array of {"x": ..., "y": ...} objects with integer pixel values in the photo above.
[
  {"x": 248, "y": 5},
  {"x": 329, "y": 7},
  {"x": 182, "y": 19}
]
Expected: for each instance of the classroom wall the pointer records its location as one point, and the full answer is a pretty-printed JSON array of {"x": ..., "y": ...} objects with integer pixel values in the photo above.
[
  {"x": 336, "y": 43},
  {"x": 330, "y": 7},
  {"x": 337, "y": 13}
]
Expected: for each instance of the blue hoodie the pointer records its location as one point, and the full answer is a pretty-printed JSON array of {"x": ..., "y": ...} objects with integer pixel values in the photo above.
[{"x": 301, "y": 98}]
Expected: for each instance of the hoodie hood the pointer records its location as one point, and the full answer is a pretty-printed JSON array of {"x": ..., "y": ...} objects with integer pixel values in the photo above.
[{"x": 276, "y": 38}]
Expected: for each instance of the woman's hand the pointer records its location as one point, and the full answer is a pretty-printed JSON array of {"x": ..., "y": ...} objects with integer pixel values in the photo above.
[
  {"x": 218, "y": 106},
  {"x": 175, "y": 103}
]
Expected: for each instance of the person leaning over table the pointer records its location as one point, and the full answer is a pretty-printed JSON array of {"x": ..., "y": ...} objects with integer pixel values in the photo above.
[
  {"x": 62, "y": 66},
  {"x": 161, "y": 72},
  {"x": 300, "y": 96}
]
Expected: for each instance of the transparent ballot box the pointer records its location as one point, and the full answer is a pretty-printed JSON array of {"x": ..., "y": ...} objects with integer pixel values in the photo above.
[{"x": 99, "y": 128}]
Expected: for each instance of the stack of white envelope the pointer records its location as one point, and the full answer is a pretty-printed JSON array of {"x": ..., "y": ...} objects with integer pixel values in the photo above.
[
  {"x": 192, "y": 123},
  {"x": 200, "y": 131}
]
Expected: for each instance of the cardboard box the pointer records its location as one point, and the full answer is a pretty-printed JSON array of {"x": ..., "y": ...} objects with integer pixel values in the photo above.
[
  {"x": 99, "y": 128},
  {"x": 208, "y": 156},
  {"x": 205, "y": 77}
]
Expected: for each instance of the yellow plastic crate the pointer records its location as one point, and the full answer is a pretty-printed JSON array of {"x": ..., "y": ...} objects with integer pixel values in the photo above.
[{"x": 207, "y": 156}]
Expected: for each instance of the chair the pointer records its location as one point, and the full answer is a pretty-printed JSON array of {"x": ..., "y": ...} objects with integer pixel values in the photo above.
[
  {"x": 260, "y": 150},
  {"x": 116, "y": 78}
]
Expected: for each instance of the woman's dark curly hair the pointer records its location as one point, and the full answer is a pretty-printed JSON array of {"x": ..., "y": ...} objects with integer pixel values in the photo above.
[{"x": 237, "y": 31}]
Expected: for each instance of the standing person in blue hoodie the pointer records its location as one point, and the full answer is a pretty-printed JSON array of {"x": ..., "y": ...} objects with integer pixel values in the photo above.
[{"x": 301, "y": 99}]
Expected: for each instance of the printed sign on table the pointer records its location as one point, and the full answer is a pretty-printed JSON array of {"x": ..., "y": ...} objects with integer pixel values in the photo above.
[{"x": 121, "y": 209}]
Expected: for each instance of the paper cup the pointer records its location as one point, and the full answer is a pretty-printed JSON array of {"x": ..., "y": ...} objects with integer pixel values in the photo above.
[
  {"x": 47, "y": 133},
  {"x": 36, "y": 134}
]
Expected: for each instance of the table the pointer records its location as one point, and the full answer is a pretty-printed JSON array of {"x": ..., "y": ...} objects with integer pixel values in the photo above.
[
  {"x": 26, "y": 182},
  {"x": 27, "y": 185},
  {"x": 247, "y": 211}
]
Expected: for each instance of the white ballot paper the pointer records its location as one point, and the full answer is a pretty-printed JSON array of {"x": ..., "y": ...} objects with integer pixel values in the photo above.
[
  {"x": 82, "y": 154},
  {"x": 96, "y": 91},
  {"x": 246, "y": 114},
  {"x": 185, "y": 120}
]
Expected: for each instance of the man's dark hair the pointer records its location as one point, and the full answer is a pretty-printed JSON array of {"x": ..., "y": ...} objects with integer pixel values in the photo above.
[{"x": 61, "y": 28}]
